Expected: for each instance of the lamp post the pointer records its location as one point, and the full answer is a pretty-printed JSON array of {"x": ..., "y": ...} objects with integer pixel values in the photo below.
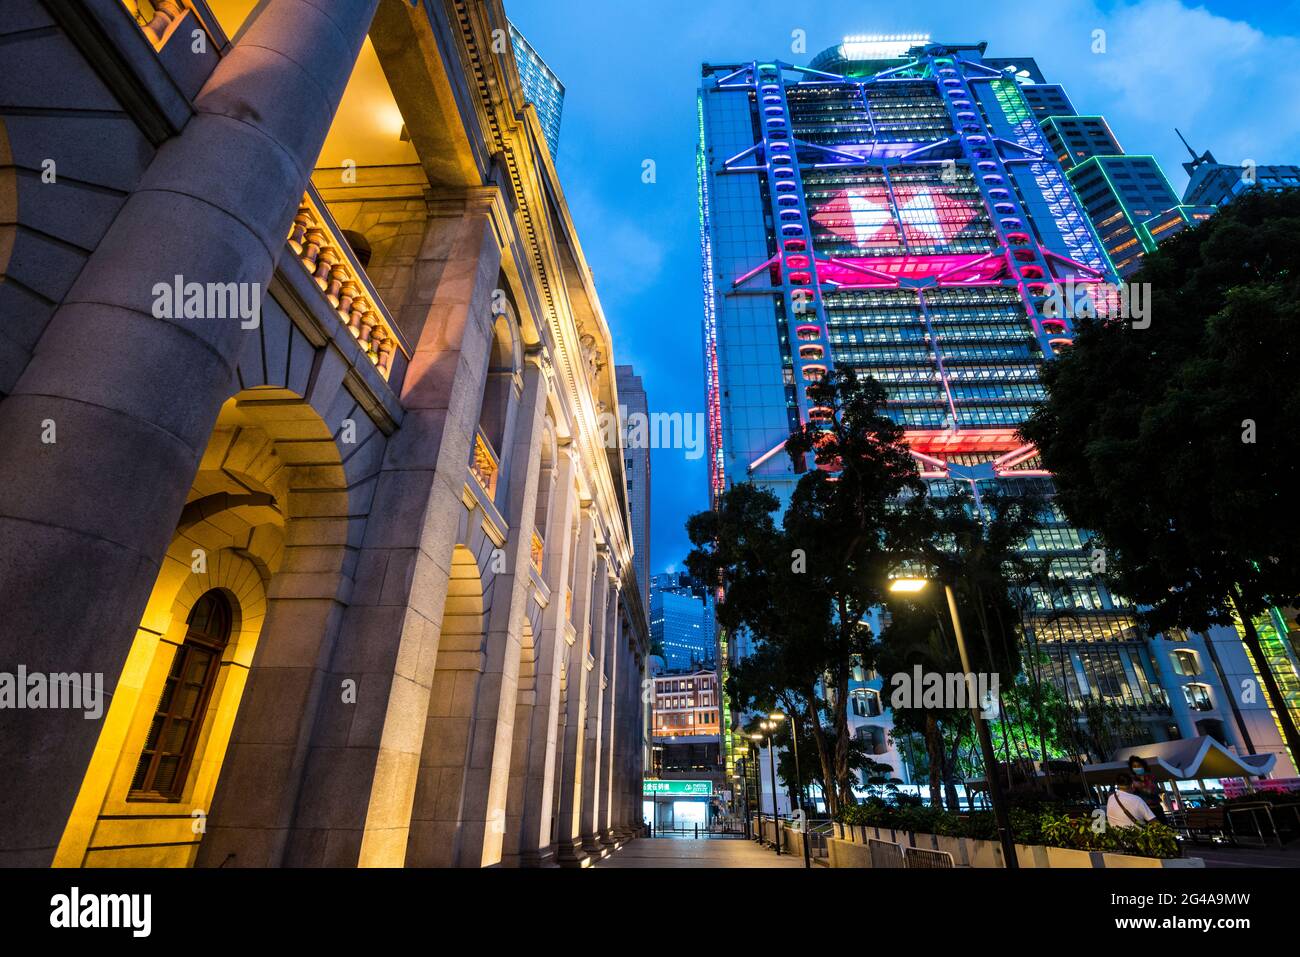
[
  {"x": 1000, "y": 814},
  {"x": 758, "y": 774},
  {"x": 798, "y": 788},
  {"x": 769, "y": 727}
]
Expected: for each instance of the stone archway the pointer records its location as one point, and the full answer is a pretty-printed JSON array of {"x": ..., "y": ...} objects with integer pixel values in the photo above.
[{"x": 269, "y": 475}]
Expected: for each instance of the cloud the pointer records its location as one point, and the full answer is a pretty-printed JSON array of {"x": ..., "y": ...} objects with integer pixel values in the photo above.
[{"x": 1166, "y": 64}]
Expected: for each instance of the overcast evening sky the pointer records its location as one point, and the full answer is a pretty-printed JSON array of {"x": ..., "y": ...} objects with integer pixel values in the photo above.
[{"x": 1222, "y": 72}]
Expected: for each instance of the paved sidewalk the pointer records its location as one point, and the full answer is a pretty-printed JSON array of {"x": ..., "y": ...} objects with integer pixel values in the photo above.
[{"x": 685, "y": 852}]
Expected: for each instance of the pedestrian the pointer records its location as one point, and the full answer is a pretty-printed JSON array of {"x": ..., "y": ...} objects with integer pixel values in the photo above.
[
  {"x": 1125, "y": 808},
  {"x": 1145, "y": 787}
]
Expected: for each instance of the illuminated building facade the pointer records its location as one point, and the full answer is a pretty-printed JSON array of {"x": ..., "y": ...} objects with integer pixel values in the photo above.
[
  {"x": 681, "y": 621},
  {"x": 323, "y": 496},
  {"x": 685, "y": 745},
  {"x": 1127, "y": 197},
  {"x": 898, "y": 207},
  {"x": 636, "y": 464},
  {"x": 542, "y": 87}
]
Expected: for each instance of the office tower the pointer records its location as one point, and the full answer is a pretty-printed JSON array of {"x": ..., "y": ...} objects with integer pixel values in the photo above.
[
  {"x": 542, "y": 87},
  {"x": 1127, "y": 197},
  {"x": 897, "y": 208},
  {"x": 680, "y": 621},
  {"x": 636, "y": 464},
  {"x": 1213, "y": 183}
]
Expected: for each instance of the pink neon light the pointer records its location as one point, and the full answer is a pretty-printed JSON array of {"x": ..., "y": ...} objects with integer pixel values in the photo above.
[
  {"x": 885, "y": 271},
  {"x": 864, "y": 215}
]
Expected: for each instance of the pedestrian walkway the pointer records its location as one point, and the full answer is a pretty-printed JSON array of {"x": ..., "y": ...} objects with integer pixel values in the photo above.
[{"x": 670, "y": 852}]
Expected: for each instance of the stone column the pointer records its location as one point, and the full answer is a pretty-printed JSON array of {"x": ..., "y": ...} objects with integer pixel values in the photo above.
[
  {"x": 85, "y": 519},
  {"x": 637, "y": 713},
  {"x": 614, "y": 691},
  {"x": 568, "y": 844},
  {"x": 604, "y": 602},
  {"x": 460, "y": 801},
  {"x": 332, "y": 783},
  {"x": 539, "y": 783}
]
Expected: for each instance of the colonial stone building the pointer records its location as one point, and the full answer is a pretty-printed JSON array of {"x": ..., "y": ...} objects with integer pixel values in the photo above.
[{"x": 303, "y": 376}]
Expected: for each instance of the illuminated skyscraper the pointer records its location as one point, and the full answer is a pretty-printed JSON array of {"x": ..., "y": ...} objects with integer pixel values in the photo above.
[
  {"x": 542, "y": 87},
  {"x": 897, "y": 207},
  {"x": 632, "y": 401}
]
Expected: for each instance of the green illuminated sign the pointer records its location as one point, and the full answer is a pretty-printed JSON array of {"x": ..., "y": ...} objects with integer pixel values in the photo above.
[{"x": 678, "y": 788}]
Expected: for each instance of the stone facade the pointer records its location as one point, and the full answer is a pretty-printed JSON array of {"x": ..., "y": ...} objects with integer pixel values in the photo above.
[{"x": 391, "y": 474}]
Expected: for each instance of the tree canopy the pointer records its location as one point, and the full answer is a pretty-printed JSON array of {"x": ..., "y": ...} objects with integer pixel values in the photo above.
[{"x": 1176, "y": 441}]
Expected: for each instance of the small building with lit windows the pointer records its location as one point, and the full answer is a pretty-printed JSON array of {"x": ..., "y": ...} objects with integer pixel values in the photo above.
[{"x": 685, "y": 740}]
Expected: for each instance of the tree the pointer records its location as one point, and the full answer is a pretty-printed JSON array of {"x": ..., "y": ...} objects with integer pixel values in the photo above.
[
  {"x": 802, "y": 590},
  {"x": 1175, "y": 440},
  {"x": 852, "y": 518}
]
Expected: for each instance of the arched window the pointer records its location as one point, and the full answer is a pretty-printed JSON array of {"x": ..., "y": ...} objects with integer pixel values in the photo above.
[{"x": 178, "y": 718}]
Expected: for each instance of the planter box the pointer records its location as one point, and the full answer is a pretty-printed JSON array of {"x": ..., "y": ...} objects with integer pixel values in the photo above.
[
  {"x": 1069, "y": 857},
  {"x": 970, "y": 852}
]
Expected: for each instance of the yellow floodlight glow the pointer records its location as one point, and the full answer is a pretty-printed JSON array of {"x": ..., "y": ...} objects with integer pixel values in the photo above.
[{"x": 907, "y": 584}]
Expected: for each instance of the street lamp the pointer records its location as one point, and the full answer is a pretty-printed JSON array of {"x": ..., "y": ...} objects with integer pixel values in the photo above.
[
  {"x": 911, "y": 585},
  {"x": 758, "y": 773},
  {"x": 769, "y": 727},
  {"x": 798, "y": 787}
]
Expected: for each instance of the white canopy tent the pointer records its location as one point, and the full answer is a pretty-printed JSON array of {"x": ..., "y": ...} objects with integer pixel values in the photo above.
[{"x": 1188, "y": 759}]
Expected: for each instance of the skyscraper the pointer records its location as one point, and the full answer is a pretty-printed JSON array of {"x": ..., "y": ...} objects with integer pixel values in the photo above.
[
  {"x": 681, "y": 621},
  {"x": 636, "y": 462},
  {"x": 897, "y": 208},
  {"x": 542, "y": 87},
  {"x": 1127, "y": 197},
  {"x": 1215, "y": 184}
]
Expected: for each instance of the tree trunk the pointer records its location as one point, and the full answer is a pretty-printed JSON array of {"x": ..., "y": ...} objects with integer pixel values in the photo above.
[
  {"x": 1280, "y": 709},
  {"x": 934, "y": 749},
  {"x": 824, "y": 757},
  {"x": 841, "y": 719}
]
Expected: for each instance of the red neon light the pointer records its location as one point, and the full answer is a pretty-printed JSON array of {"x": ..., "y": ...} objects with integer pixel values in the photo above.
[
  {"x": 864, "y": 215},
  {"x": 938, "y": 442}
]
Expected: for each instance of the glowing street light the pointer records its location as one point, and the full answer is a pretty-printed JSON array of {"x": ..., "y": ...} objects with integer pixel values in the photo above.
[
  {"x": 1000, "y": 814},
  {"x": 798, "y": 787},
  {"x": 907, "y": 584}
]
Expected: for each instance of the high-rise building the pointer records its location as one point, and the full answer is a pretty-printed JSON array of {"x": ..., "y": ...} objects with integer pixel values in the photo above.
[
  {"x": 1212, "y": 183},
  {"x": 542, "y": 87},
  {"x": 1127, "y": 197},
  {"x": 681, "y": 621},
  {"x": 636, "y": 467},
  {"x": 896, "y": 207}
]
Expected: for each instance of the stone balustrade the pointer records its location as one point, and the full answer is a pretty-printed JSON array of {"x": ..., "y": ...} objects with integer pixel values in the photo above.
[
  {"x": 537, "y": 551},
  {"x": 483, "y": 465},
  {"x": 327, "y": 257},
  {"x": 155, "y": 16}
]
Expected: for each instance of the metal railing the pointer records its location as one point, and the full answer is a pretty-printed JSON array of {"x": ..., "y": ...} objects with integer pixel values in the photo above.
[
  {"x": 718, "y": 829},
  {"x": 919, "y": 858},
  {"x": 1282, "y": 820},
  {"x": 885, "y": 854}
]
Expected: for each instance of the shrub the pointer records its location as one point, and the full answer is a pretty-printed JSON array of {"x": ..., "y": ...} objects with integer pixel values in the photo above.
[{"x": 1052, "y": 827}]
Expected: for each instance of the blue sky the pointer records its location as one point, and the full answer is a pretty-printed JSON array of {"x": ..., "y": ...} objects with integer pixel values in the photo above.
[{"x": 1224, "y": 73}]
